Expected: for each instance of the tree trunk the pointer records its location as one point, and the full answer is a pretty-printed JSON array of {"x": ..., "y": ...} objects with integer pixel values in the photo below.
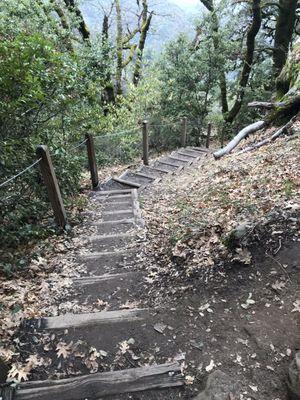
[
  {"x": 283, "y": 34},
  {"x": 248, "y": 62},
  {"x": 222, "y": 76},
  {"x": 119, "y": 40},
  {"x": 82, "y": 27},
  {"x": 109, "y": 96},
  {"x": 146, "y": 22}
]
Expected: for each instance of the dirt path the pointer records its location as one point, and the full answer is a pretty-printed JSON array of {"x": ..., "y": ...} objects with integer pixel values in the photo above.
[
  {"x": 117, "y": 318},
  {"x": 103, "y": 324}
]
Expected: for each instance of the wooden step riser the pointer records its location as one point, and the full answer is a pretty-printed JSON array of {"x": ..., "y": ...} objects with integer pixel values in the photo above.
[
  {"x": 67, "y": 321},
  {"x": 100, "y": 385},
  {"x": 118, "y": 217},
  {"x": 110, "y": 245}
]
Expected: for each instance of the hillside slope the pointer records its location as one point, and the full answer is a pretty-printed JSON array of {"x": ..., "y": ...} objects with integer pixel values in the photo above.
[{"x": 168, "y": 22}]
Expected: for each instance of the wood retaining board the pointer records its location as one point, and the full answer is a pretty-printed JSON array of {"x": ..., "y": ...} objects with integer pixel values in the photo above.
[
  {"x": 95, "y": 386},
  {"x": 65, "y": 321}
]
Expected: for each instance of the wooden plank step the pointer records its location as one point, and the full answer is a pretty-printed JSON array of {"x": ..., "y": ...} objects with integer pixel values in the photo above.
[
  {"x": 113, "y": 192},
  {"x": 98, "y": 255},
  {"x": 129, "y": 221},
  {"x": 201, "y": 150},
  {"x": 180, "y": 159},
  {"x": 91, "y": 280},
  {"x": 181, "y": 153},
  {"x": 65, "y": 321},
  {"x": 146, "y": 176},
  {"x": 136, "y": 178},
  {"x": 103, "y": 384},
  {"x": 191, "y": 151},
  {"x": 128, "y": 182},
  {"x": 117, "y": 197},
  {"x": 160, "y": 170},
  {"x": 107, "y": 238},
  {"x": 117, "y": 205},
  {"x": 118, "y": 212},
  {"x": 170, "y": 165}
]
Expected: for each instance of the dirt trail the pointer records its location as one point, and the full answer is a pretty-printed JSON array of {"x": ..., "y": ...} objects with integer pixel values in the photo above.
[{"x": 116, "y": 317}]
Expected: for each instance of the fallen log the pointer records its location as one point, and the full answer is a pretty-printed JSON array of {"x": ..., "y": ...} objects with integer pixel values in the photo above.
[
  {"x": 262, "y": 104},
  {"x": 240, "y": 136},
  {"x": 270, "y": 139}
]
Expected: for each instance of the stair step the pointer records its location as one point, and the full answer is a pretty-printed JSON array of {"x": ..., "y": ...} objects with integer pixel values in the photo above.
[
  {"x": 184, "y": 154},
  {"x": 98, "y": 255},
  {"x": 115, "y": 227},
  {"x": 169, "y": 165},
  {"x": 128, "y": 182},
  {"x": 99, "y": 263},
  {"x": 103, "y": 384},
  {"x": 109, "y": 242},
  {"x": 117, "y": 205},
  {"x": 121, "y": 212},
  {"x": 192, "y": 152},
  {"x": 137, "y": 178},
  {"x": 182, "y": 160},
  {"x": 91, "y": 280},
  {"x": 113, "y": 289},
  {"x": 118, "y": 198},
  {"x": 201, "y": 149},
  {"x": 108, "y": 238},
  {"x": 114, "y": 185},
  {"x": 66, "y": 321},
  {"x": 117, "y": 215},
  {"x": 146, "y": 176},
  {"x": 158, "y": 171},
  {"x": 114, "y": 192}
]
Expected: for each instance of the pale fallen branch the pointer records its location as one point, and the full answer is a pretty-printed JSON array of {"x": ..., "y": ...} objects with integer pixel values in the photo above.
[
  {"x": 265, "y": 104},
  {"x": 270, "y": 139},
  {"x": 262, "y": 104},
  {"x": 240, "y": 136}
]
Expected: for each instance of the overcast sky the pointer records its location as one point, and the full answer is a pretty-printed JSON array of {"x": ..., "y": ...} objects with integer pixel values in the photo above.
[{"x": 189, "y": 3}]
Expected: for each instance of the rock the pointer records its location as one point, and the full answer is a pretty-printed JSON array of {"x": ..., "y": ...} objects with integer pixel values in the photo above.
[
  {"x": 219, "y": 386},
  {"x": 294, "y": 378},
  {"x": 241, "y": 230}
]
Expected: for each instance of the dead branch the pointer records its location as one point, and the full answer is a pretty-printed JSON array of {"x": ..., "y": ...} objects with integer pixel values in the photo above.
[
  {"x": 240, "y": 136},
  {"x": 275, "y": 135}
]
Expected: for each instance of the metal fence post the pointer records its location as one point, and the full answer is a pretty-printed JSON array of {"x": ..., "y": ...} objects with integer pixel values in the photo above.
[
  {"x": 50, "y": 180},
  {"x": 92, "y": 160},
  {"x": 145, "y": 143},
  {"x": 184, "y": 132}
]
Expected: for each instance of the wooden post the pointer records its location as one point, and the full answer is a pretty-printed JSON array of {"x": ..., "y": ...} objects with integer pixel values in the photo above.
[
  {"x": 208, "y": 135},
  {"x": 184, "y": 132},
  {"x": 92, "y": 160},
  {"x": 145, "y": 143},
  {"x": 51, "y": 183}
]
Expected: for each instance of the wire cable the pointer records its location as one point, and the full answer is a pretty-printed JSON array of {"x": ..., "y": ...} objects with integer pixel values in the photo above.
[
  {"x": 20, "y": 173},
  {"x": 117, "y": 133}
]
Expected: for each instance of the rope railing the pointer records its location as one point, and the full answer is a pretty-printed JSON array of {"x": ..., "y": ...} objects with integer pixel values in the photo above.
[
  {"x": 47, "y": 169},
  {"x": 20, "y": 173},
  {"x": 109, "y": 135}
]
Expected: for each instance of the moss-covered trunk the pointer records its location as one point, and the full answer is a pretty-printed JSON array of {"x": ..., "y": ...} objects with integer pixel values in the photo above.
[
  {"x": 288, "y": 88},
  {"x": 283, "y": 34}
]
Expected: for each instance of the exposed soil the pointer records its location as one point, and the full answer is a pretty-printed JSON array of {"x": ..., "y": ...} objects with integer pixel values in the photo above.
[{"x": 241, "y": 319}]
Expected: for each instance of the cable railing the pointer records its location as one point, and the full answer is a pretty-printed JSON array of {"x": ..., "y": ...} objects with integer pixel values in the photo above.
[{"x": 142, "y": 140}]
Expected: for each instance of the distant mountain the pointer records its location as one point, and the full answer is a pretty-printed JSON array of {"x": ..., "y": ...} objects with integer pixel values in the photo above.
[{"x": 168, "y": 22}]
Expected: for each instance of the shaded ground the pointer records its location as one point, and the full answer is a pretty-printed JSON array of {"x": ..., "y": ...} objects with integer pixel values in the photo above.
[{"x": 236, "y": 308}]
